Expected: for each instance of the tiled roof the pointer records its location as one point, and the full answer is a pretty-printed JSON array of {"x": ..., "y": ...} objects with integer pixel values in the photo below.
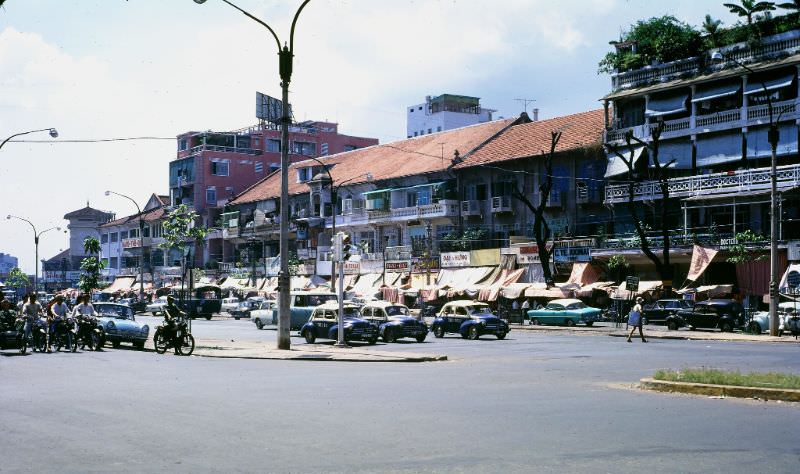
[
  {"x": 148, "y": 216},
  {"x": 88, "y": 213},
  {"x": 164, "y": 199},
  {"x": 581, "y": 130},
  {"x": 414, "y": 156},
  {"x": 58, "y": 257}
]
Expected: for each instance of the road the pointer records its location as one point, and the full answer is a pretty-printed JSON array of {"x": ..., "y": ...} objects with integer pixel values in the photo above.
[{"x": 536, "y": 402}]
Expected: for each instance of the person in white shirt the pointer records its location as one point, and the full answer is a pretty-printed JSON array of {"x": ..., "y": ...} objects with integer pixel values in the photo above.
[{"x": 84, "y": 308}]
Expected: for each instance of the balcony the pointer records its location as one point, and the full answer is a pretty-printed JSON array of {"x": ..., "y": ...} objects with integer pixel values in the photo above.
[
  {"x": 501, "y": 204},
  {"x": 708, "y": 185},
  {"x": 443, "y": 208},
  {"x": 354, "y": 217},
  {"x": 472, "y": 208},
  {"x": 771, "y": 47},
  {"x": 786, "y": 111},
  {"x": 225, "y": 149}
]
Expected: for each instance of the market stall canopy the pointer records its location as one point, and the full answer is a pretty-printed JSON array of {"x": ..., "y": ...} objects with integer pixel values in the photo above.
[
  {"x": 121, "y": 283},
  {"x": 584, "y": 273},
  {"x": 462, "y": 278},
  {"x": 514, "y": 290},
  {"x": 231, "y": 283},
  {"x": 711, "y": 290},
  {"x": 365, "y": 283},
  {"x": 644, "y": 287},
  {"x": 540, "y": 290},
  {"x": 299, "y": 282},
  {"x": 586, "y": 291}
]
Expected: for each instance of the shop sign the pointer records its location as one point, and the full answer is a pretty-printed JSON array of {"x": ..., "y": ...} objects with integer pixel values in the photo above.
[
  {"x": 528, "y": 254},
  {"x": 455, "y": 259},
  {"x": 398, "y": 266},
  {"x": 793, "y": 249},
  {"x": 131, "y": 243},
  {"x": 572, "y": 254},
  {"x": 351, "y": 268},
  {"x": 421, "y": 265}
]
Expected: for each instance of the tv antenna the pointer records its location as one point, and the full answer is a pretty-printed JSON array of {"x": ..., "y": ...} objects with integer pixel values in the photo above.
[{"x": 525, "y": 103}]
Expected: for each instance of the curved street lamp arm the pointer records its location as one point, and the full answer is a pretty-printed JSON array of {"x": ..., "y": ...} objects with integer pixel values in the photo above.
[
  {"x": 294, "y": 22},
  {"x": 138, "y": 209},
  {"x": 351, "y": 179},
  {"x": 25, "y": 220},
  {"x": 25, "y": 133},
  {"x": 324, "y": 167},
  {"x": 252, "y": 17},
  {"x": 46, "y": 230}
]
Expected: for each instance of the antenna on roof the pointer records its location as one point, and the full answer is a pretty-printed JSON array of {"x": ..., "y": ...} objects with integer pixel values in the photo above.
[{"x": 525, "y": 103}]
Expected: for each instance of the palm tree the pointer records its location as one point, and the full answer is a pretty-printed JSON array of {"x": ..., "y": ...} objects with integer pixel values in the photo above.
[
  {"x": 711, "y": 26},
  {"x": 749, "y": 7}
]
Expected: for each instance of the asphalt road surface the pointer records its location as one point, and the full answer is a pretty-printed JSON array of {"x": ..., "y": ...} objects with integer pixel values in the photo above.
[{"x": 535, "y": 402}]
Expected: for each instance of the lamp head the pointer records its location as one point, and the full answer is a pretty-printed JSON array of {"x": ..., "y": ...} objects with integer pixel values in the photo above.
[
  {"x": 8, "y": 216},
  {"x": 369, "y": 176},
  {"x": 717, "y": 57},
  {"x": 54, "y": 133},
  {"x": 199, "y": 2},
  {"x": 107, "y": 193}
]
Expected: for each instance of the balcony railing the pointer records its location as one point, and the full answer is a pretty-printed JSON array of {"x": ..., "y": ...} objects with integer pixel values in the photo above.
[
  {"x": 225, "y": 149},
  {"x": 717, "y": 183},
  {"x": 729, "y": 119},
  {"x": 443, "y": 208},
  {"x": 784, "y": 44}
]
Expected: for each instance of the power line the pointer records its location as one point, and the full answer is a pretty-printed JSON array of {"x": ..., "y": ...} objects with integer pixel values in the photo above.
[{"x": 93, "y": 140}]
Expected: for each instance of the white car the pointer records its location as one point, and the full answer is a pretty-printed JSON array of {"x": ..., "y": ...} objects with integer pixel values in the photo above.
[
  {"x": 230, "y": 304},
  {"x": 264, "y": 315},
  {"x": 157, "y": 306}
]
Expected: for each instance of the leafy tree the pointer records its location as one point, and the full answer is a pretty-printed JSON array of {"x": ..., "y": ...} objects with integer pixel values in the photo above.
[
  {"x": 711, "y": 27},
  {"x": 17, "y": 279},
  {"x": 180, "y": 232},
  {"x": 748, "y": 248},
  {"x": 748, "y": 8},
  {"x": 662, "y": 39},
  {"x": 91, "y": 266},
  {"x": 617, "y": 264}
]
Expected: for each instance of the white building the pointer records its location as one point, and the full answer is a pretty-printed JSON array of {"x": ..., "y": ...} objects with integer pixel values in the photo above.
[{"x": 445, "y": 112}]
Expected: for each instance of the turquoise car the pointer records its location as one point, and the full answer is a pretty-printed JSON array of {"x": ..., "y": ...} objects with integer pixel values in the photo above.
[
  {"x": 302, "y": 304},
  {"x": 120, "y": 325},
  {"x": 567, "y": 311}
]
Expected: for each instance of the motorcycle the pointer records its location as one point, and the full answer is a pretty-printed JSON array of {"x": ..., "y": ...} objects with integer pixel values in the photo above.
[
  {"x": 12, "y": 332},
  {"x": 175, "y": 335},
  {"x": 65, "y": 335},
  {"x": 89, "y": 334},
  {"x": 38, "y": 338}
]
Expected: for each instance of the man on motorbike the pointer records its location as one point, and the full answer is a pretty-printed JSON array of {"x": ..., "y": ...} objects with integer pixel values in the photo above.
[
  {"x": 31, "y": 311},
  {"x": 59, "y": 311},
  {"x": 84, "y": 308},
  {"x": 171, "y": 316}
]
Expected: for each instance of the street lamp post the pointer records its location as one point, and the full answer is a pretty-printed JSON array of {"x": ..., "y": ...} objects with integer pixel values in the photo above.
[
  {"x": 285, "y": 56},
  {"x": 36, "y": 236},
  {"x": 773, "y": 136},
  {"x": 428, "y": 259},
  {"x": 53, "y": 133},
  {"x": 141, "y": 240}
]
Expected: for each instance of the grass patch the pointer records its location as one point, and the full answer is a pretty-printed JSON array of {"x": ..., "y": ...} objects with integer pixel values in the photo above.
[{"x": 725, "y": 377}]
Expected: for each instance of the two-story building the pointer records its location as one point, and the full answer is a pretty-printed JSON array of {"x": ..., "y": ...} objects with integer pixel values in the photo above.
[{"x": 714, "y": 113}]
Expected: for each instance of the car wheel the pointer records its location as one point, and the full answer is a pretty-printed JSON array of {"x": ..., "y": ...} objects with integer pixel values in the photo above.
[
  {"x": 438, "y": 332},
  {"x": 115, "y": 344},
  {"x": 421, "y": 337},
  {"x": 569, "y": 323},
  {"x": 310, "y": 338},
  {"x": 372, "y": 340},
  {"x": 237, "y": 318},
  {"x": 535, "y": 321},
  {"x": 692, "y": 328},
  {"x": 259, "y": 324},
  {"x": 473, "y": 332},
  {"x": 726, "y": 327},
  {"x": 501, "y": 335},
  {"x": 389, "y": 335},
  {"x": 754, "y": 328},
  {"x": 208, "y": 317},
  {"x": 672, "y": 326},
  {"x": 138, "y": 345},
  {"x": 589, "y": 324}
]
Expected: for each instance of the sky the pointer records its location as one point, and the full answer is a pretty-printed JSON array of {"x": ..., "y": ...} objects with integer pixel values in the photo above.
[{"x": 106, "y": 69}]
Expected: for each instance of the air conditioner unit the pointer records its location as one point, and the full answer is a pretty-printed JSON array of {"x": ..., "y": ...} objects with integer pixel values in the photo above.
[
  {"x": 501, "y": 204},
  {"x": 471, "y": 208}
]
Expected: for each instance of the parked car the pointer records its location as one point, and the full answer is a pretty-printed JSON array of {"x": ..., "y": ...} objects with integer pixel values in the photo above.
[
  {"x": 665, "y": 312},
  {"x": 759, "y": 321},
  {"x": 566, "y": 311},
  {"x": 323, "y": 324},
  {"x": 120, "y": 325},
  {"x": 230, "y": 304},
  {"x": 157, "y": 306},
  {"x": 199, "y": 302},
  {"x": 394, "y": 321},
  {"x": 471, "y": 319},
  {"x": 726, "y": 315},
  {"x": 244, "y": 308},
  {"x": 263, "y": 315}
]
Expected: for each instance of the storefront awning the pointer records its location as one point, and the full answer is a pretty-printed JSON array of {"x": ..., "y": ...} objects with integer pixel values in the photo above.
[
  {"x": 435, "y": 185},
  {"x": 718, "y": 149},
  {"x": 377, "y": 191},
  {"x": 121, "y": 283},
  {"x": 758, "y": 145},
  {"x": 616, "y": 166},
  {"x": 666, "y": 106},
  {"x": 756, "y": 87},
  {"x": 716, "y": 92}
]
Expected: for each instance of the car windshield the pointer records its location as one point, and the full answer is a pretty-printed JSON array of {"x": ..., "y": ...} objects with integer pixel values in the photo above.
[
  {"x": 479, "y": 310},
  {"x": 351, "y": 313},
  {"x": 396, "y": 311},
  {"x": 114, "y": 311}
]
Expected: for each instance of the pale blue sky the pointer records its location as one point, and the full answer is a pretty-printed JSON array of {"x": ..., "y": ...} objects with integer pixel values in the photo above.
[{"x": 115, "y": 68}]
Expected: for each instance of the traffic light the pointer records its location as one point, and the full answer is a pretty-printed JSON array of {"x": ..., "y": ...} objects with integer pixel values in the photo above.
[{"x": 347, "y": 247}]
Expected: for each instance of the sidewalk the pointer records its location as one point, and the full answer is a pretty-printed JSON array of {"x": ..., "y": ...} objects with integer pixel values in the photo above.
[
  {"x": 660, "y": 332},
  {"x": 316, "y": 352}
]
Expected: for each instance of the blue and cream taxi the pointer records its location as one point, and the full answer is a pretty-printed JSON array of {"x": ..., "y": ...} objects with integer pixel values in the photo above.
[
  {"x": 120, "y": 325},
  {"x": 394, "y": 321},
  {"x": 471, "y": 319},
  {"x": 323, "y": 324}
]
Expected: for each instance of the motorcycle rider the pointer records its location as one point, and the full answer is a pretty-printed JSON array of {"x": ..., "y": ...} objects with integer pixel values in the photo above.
[
  {"x": 171, "y": 316},
  {"x": 31, "y": 311},
  {"x": 59, "y": 311},
  {"x": 84, "y": 308}
]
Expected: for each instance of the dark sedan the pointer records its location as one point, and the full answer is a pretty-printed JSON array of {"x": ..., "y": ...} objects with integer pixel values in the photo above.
[
  {"x": 664, "y": 312},
  {"x": 725, "y": 315}
]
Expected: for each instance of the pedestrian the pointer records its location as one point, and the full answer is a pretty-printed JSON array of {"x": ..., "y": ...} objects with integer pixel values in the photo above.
[{"x": 635, "y": 319}]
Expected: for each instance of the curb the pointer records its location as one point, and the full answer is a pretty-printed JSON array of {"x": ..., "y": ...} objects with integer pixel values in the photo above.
[{"x": 787, "y": 395}]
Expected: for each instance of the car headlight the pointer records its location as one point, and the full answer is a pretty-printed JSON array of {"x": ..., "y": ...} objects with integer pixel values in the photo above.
[
  {"x": 110, "y": 326},
  {"x": 145, "y": 329},
  {"x": 483, "y": 323}
]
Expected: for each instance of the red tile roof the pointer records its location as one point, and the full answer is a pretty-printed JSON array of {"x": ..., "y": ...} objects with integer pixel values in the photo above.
[
  {"x": 581, "y": 130},
  {"x": 414, "y": 156},
  {"x": 148, "y": 216}
]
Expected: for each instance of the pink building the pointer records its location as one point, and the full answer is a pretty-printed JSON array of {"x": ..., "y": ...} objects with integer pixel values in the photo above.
[{"x": 213, "y": 167}]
